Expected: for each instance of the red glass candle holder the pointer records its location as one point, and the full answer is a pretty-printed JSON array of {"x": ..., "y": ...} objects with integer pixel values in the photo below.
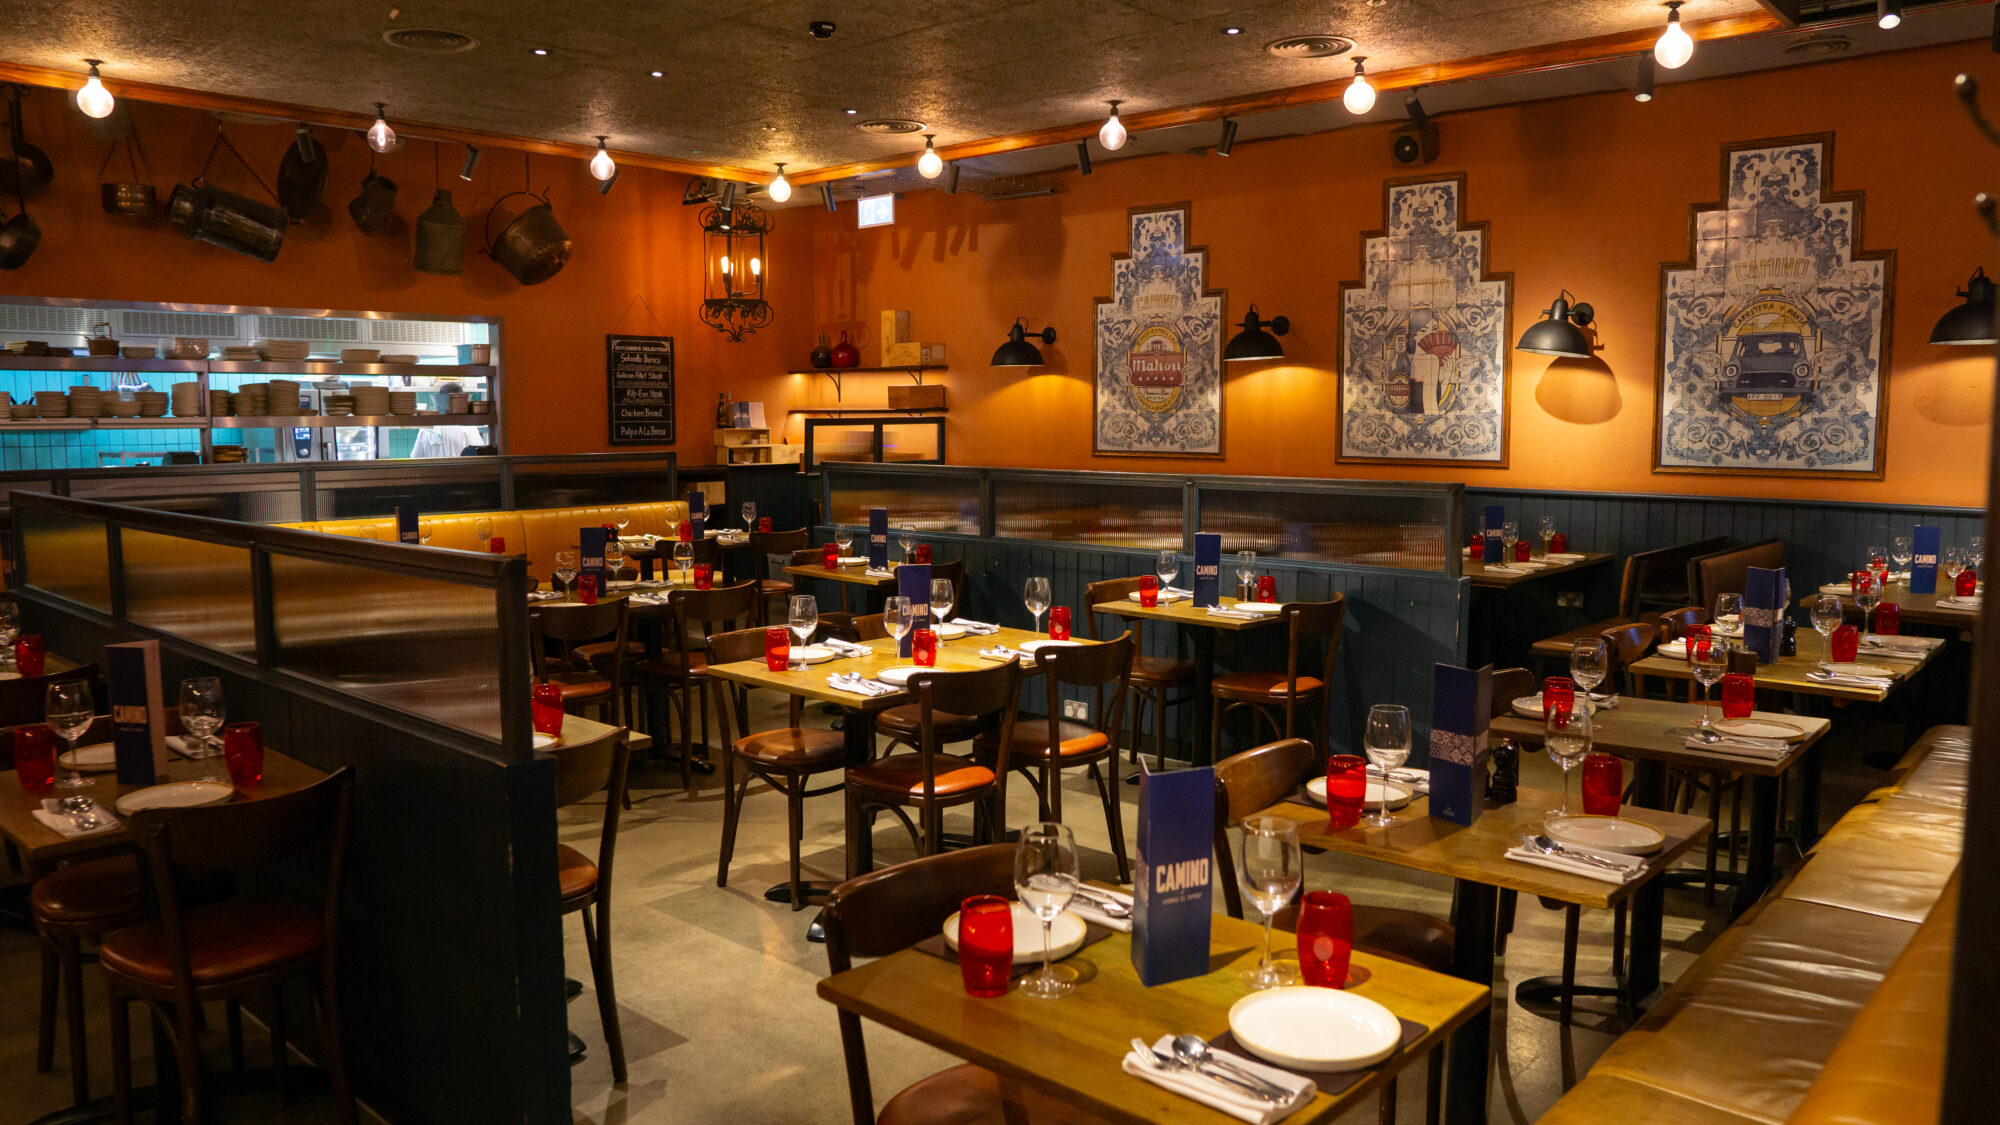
[
  {"x": 1059, "y": 623},
  {"x": 1846, "y": 643},
  {"x": 28, "y": 656},
  {"x": 986, "y": 945},
  {"x": 1522, "y": 552},
  {"x": 1967, "y": 583},
  {"x": 1860, "y": 580},
  {"x": 1149, "y": 591},
  {"x": 610, "y": 532},
  {"x": 1888, "y": 619},
  {"x": 764, "y": 523},
  {"x": 1326, "y": 938},
  {"x": 923, "y": 648},
  {"x": 546, "y": 705},
  {"x": 1558, "y": 544},
  {"x": 1558, "y": 695},
  {"x": 1267, "y": 587},
  {"x": 830, "y": 556},
  {"x": 704, "y": 576},
  {"x": 586, "y": 589},
  {"x": 1603, "y": 784},
  {"x": 1346, "y": 789},
  {"x": 1478, "y": 541},
  {"x": 35, "y": 758},
  {"x": 243, "y": 754},
  {"x": 1696, "y": 635},
  {"x": 1739, "y": 695},
  {"x": 686, "y": 532},
  {"x": 777, "y": 648},
  {"x": 496, "y": 546},
  {"x": 921, "y": 553}
]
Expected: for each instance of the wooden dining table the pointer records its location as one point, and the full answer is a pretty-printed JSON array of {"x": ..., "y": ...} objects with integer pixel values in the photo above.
[
  {"x": 1791, "y": 673},
  {"x": 1199, "y": 627},
  {"x": 874, "y": 586},
  {"x": 1484, "y": 575},
  {"x": 1916, "y": 609},
  {"x": 1072, "y": 1048}
]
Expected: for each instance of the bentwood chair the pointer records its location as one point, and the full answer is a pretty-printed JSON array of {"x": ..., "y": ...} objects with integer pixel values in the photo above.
[
  {"x": 953, "y": 572},
  {"x": 1043, "y": 748},
  {"x": 883, "y": 912},
  {"x": 1293, "y": 692},
  {"x": 23, "y": 698},
  {"x": 1154, "y": 678},
  {"x": 567, "y": 623},
  {"x": 930, "y": 780},
  {"x": 1625, "y": 645},
  {"x": 190, "y": 955},
  {"x": 764, "y": 544},
  {"x": 682, "y": 669},
  {"x": 1258, "y": 778},
  {"x": 786, "y": 759},
  {"x": 584, "y": 884}
]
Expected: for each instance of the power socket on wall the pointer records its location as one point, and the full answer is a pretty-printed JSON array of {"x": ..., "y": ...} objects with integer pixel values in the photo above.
[{"x": 1076, "y": 709}]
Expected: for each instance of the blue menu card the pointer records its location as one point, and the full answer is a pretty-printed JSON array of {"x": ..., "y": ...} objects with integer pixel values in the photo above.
[
  {"x": 1495, "y": 547},
  {"x": 1171, "y": 901},
  {"x": 590, "y": 550},
  {"x": 1765, "y": 591},
  {"x": 406, "y": 525},
  {"x": 878, "y": 539},
  {"x": 913, "y": 581},
  {"x": 1207, "y": 568},
  {"x": 696, "y": 531},
  {"x": 138, "y": 720},
  {"x": 1461, "y": 702},
  {"x": 697, "y": 505},
  {"x": 1927, "y": 544}
]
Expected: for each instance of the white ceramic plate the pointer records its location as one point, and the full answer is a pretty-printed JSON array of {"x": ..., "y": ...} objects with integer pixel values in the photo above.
[
  {"x": 1844, "y": 589},
  {"x": 1963, "y": 603},
  {"x": 1530, "y": 706},
  {"x": 948, "y": 632},
  {"x": 811, "y": 654},
  {"x": 1566, "y": 556},
  {"x": 1676, "y": 649},
  {"x": 1849, "y": 669},
  {"x": 1037, "y": 646},
  {"x": 901, "y": 674},
  {"x": 1259, "y": 607},
  {"x": 1529, "y": 564},
  {"x": 1759, "y": 728},
  {"x": 10, "y": 675},
  {"x": 1399, "y": 793},
  {"x": 176, "y": 795},
  {"x": 544, "y": 741},
  {"x": 1606, "y": 834},
  {"x": 1315, "y": 1028},
  {"x": 97, "y": 758},
  {"x": 1066, "y": 935}
]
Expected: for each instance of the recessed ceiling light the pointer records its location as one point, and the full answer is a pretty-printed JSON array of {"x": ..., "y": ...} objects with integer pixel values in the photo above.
[
  {"x": 850, "y": 112},
  {"x": 541, "y": 50},
  {"x": 1232, "y": 31},
  {"x": 659, "y": 74}
]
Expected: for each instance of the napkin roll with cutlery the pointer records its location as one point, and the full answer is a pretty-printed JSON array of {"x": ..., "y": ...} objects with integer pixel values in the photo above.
[
  {"x": 1108, "y": 908},
  {"x": 1769, "y": 749},
  {"x": 856, "y": 685},
  {"x": 977, "y": 628},
  {"x": 1610, "y": 867},
  {"x": 1160, "y": 1068}
]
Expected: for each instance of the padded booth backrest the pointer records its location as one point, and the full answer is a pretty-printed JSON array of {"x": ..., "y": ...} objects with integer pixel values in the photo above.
[
  {"x": 1724, "y": 572},
  {"x": 537, "y": 533}
]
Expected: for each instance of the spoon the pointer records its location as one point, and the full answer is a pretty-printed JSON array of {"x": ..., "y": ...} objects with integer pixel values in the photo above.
[
  {"x": 1192, "y": 1051},
  {"x": 1104, "y": 903},
  {"x": 1169, "y": 1063},
  {"x": 1547, "y": 846},
  {"x": 1703, "y": 734}
]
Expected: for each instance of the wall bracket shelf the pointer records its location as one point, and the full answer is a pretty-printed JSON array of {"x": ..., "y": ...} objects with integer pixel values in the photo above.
[{"x": 914, "y": 370}]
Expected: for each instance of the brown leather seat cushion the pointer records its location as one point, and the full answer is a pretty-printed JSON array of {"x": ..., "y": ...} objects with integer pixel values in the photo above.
[
  {"x": 98, "y": 892},
  {"x": 973, "y": 1095},
  {"x": 227, "y": 941},
  {"x": 580, "y": 685},
  {"x": 1162, "y": 670},
  {"x": 669, "y": 665},
  {"x": 1943, "y": 776},
  {"x": 771, "y": 587},
  {"x": 1602, "y": 1098},
  {"x": 575, "y": 873},
  {"x": 795, "y": 748},
  {"x": 903, "y": 774},
  {"x": 598, "y": 651},
  {"x": 1031, "y": 739},
  {"x": 1260, "y": 685},
  {"x": 906, "y": 722},
  {"x": 1890, "y": 857}
]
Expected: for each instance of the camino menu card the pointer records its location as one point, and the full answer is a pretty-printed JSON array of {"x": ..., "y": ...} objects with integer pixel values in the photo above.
[
  {"x": 1495, "y": 545},
  {"x": 1927, "y": 544},
  {"x": 878, "y": 539},
  {"x": 406, "y": 526},
  {"x": 1171, "y": 899},
  {"x": 138, "y": 720},
  {"x": 1461, "y": 702},
  {"x": 1207, "y": 569},
  {"x": 913, "y": 581},
  {"x": 590, "y": 549},
  {"x": 1765, "y": 592}
]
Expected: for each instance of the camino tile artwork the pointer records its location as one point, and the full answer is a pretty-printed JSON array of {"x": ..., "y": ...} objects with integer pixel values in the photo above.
[
  {"x": 1424, "y": 337},
  {"x": 1772, "y": 349},
  {"x": 1159, "y": 345}
]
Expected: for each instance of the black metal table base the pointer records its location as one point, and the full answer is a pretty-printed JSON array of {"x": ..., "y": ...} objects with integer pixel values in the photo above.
[
  {"x": 1544, "y": 996},
  {"x": 813, "y": 892}
]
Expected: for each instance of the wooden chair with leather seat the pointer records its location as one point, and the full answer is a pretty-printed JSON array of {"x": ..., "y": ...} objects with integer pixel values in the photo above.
[
  {"x": 74, "y": 903},
  {"x": 584, "y": 884},
  {"x": 681, "y": 673},
  {"x": 1254, "y": 780},
  {"x": 764, "y": 544},
  {"x": 786, "y": 759},
  {"x": 901, "y": 723},
  {"x": 190, "y": 955},
  {"x": 23, "y": 698},
  {"x": 568, "y": 623},
  {"x": 1293, "y": 692},
  {"x": 883, "y": 912},
  {"x": 1043, "y": 748},
  {"x": 930, "y": 780},
  {"x": 1154, "y": 678}
]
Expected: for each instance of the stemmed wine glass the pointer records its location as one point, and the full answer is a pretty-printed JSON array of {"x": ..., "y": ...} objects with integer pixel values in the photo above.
[
  {"x": 1566, "y": 735},
  {"x": 1730, "y": 607},
  {"x": 1046, "y": 876},
  {"x": 1269, "y": 869},
  {"x": 68, "y": 710},
  {"x": 201, "y": 716},
  {"x": 10, "y": 631},
  {"x": 566, "y": 566},
  {"x": 1975, "y": 551},
  {"x": 483, "y": 528},
  {"x": 749, "y": 510},
  {"x": 803, "y": 617},
  {"x": 1547, "y": 530},
  {"x": 897, "y": 619},
  {"x": 1826, "y": 617},
  {"x": 684, "y": 558},
  {"x": 1900, "y": 553},
  {"x": 1954, "y": 563},
  {"x": 1035, "y": 593},
  {"x": 1387, "y": 741},
  {"x": 906, "y": 537},
  {"x": 943, "y": 597},
  {"x": 1246, "y": 571},
  {"x": 1868, "y": 597},
  {"x": 1708, "y": 665},
  {"x": 1510, "y": 534},
  {"x": 1166, "y": 567},
  {"x": 614, "y": 558},
  {"x": 1589, "y": 663},
  {"x": 843, "y": 537},
  {"x": 622, "y": 517}
]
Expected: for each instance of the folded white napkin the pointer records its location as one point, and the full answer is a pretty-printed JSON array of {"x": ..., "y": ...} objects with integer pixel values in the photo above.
[
  {"x": 648, "y": 599},
  {"x": 1084, "y": 908},
  {"x": 1419, "y": 781},
  {"x": 1217, "y": 1094},
  {"x": 855, "y": 685},
  {"x": 1498, "y": 568},
  {"x": 1959, "y": 603},
  {"x": 846, "y": 648},
  {"x": 851, "y": 560},
  {"x": 543, "y": 595},
  {"x": 1570, "y": 556},
  {"x": 1223, "y": 611},
  {"x": 1003, "y": 654},
  {"x": 55, "y": 820},
  {"x": 1633, "y": 865},
  {"x": 980, "y": 628},
  {"x": 1895, "y": 641},
  {"x": 1765, "y": 749},
  {"x": 1167, "y": 594},
  {"x": 873, "y": 573},
  {"x": 1849, "y": 681}
]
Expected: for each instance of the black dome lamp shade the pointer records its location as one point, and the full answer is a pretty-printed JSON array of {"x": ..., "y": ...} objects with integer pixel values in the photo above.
[
  {"x": 1972, "y": 321},
  {"x": 1017, "y": 351},
  {"x": 1560, "y": 331},
  {"x": 1253, "y": 342}
]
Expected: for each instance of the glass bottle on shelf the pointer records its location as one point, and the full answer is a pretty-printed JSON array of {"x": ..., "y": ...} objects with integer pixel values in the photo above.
[{"x": 723, "y": 414}]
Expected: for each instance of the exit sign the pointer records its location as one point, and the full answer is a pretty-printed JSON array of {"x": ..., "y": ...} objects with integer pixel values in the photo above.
[{"x": 876, "y": 211}]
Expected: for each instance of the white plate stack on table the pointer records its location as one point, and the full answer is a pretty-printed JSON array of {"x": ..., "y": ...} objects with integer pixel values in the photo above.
[
  {"x": 284, "y": 350},
  {"x": 86, "y": 402},
  {"x": 361, "y": 355},
  {"x": 51, "y": 404},
  {"x": 185, "y": 399},
  {"x": 221, "y": 404},
  {"x": 253, "y": 400},
  {"x": 336, "y": 406},
  {"x": 403, "y": 403}
]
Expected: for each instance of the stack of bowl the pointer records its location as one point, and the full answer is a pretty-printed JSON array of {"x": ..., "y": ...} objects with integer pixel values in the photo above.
[
  {"x": 361, "y": 355},
  {"x": 337, "y": 405},
  {"x": 130, "y": 352},
  {"x": 402, "y": 402},
  {"x": 51, "y": 404},
  {"x": 220, "y": 404},
  {"x": 253, "y": 400},
  {"x": 186, "y": 399},
  {"x": 122, "y": 407},
  {"x": 284, "y": 396},
  {"x": 152, "y": 404},
  {"x": 371, "y": 401},
  {"x": 227, "y": 455},
  {"x": 284, "y": 349},
  {"x": 86, "y": 402},
  {"x": 21, "y": 411}
]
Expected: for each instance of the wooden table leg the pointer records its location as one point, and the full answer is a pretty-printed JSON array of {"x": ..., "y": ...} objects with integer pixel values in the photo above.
[
  {"x": 1203, "y": 643},
  {"x": 1472, "y": 959},
  {"x": 1758, "y": 867},
  {"x": 1649, "y": 909}
]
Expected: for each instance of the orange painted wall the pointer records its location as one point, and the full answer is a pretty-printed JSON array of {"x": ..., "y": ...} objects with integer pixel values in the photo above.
[
  {"x": 638, "y": 241},
  {"x": 1597, "y": 212}
]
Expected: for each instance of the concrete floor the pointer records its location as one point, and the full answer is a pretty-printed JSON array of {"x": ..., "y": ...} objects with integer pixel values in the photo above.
[{"x": 710, "y": 977}]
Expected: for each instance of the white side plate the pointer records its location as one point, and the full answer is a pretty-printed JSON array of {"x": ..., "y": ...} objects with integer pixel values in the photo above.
[
  {"x": 1066, "y": 935},
  {"x": 1606, "y": 834},
  {"x": 1759, "y": 728},
  {"x": 1315, "y": 1028},
  {"x": 176, "y": 795},
  {"x": 101, "y": 757},
  {"x": 901, "y": 674},
  {"x": 1399, "y": 793}
]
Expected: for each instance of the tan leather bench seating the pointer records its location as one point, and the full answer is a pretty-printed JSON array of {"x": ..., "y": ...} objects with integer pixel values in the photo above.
[{"x": 537, "y": 533}]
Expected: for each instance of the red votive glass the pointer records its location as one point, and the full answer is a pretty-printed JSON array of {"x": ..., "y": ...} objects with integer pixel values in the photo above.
[
  {"x": 1696, "y": 635},
  {"x": 1558, "y": 695},
  {"x": 830, "y": 555},
  {"x": 704, "y": 576},
  {"x": 496, "y": 546},
  {"x": 243, "y": 754},
  {"x": 1346, "y": 789},
  {"x": 764, "y": 523},
  {"x": 1603, "y": 784},
  {"x": 1267, "y": 587},
  {"x": 1059, "y": 623},
  {"x": 777, "y": 648},
  {"x": 35, "y": 758},
  {"x": 1149, "y": 591},
  {"x": 1739, "y": 695},
  {"x": 1326, "y": 938},
  {"x": 1522, "y": 553},
  {"x": 1478, "y": 541},
  {"x": 986, "y": 945},
  {"x": 686, "y": 532},
  {"x": 1558, "y": 543},
  {"x": 1888, "y": 619},
  {"x": 923, "y": 648},
  {"x": 1846, "y": 643},
  {"x": 546, "y": 705},
  {"x": 1968, "y": 583},
  {"x": 28, "y": 656},
  {"x": 586, "y": 589},
  {"x": 921, "y": 553}
]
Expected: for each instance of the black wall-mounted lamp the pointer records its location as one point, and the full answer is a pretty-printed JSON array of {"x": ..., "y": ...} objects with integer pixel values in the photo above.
[
  {"x": 1017, "y": 351},
  {"x": 1253, "y": 342},
  {"x": 1560, "y": 331},
  {"x": 1972, "y": 321}
]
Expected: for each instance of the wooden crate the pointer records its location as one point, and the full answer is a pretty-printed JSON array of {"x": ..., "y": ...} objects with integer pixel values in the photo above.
[{"x": 926, "y": 396}]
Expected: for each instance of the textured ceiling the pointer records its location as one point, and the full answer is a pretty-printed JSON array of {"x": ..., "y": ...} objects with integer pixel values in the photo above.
[{"x": 744, "y": 84}]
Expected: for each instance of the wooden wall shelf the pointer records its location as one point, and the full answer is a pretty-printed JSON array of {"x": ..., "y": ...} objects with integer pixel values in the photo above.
[{"x": 914, "y": 370}]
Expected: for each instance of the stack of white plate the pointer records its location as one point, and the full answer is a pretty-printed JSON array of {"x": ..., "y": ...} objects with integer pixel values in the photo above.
[
  {"x": 361, "y": 355},
  {"x": 240, "y": 353},
  {"x": 86, "y": 402},
  {"x": 386, "y": 358},
  {"x": 130, "y": 352},
  {"x": 253, "y": 400},
  {"x": 220, "y": 404},
  {"x": 186, "y": 398},
  {"x": 152, "y": 404},
  {"x": 337, "y": 406},
  {"x": 122, "y": 407},
  {"x": 284, "y": 349},
  {"x": 371, "y": 401},
  {"x": 284, "y": 396},
  {"x": 51, "y": 404},
  {"x": 402, "y": 402}
]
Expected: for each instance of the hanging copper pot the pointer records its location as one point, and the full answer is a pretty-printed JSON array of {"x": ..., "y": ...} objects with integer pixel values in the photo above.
[
  {"x": 533, "y": 246},
  {"x": 27, "y": 170},
  {"x": 134, "y": 199}
]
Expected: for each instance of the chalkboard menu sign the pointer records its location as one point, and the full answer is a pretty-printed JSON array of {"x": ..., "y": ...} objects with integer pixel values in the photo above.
[{"x": 639, "y": 373}]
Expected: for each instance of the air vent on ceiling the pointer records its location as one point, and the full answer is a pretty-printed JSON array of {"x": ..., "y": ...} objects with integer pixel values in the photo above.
[
  {"x": 41, "y": 318},
  {"x": 1310, "y": 46},
  {"x": 307, "y": 328},
  {"x": 1819, "y": 46},
  {"x": 417, "y": 332},
  {"x": 890, "y": 126},
  {"x": 213, "y": 326},
  {"x": 430, "y": 40}
]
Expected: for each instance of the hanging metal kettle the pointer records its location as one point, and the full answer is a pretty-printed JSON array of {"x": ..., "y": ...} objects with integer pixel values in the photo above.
[
  {"x": 205, "y": 213},
  {"x": 441, "y": 237},
  {"x": 374, "y": 210}
]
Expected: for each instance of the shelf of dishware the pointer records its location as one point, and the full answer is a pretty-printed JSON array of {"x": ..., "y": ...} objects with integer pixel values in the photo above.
[
  {"x": 104, "y": 363},
  {"x": 345, "y": 421},
  {"x": 114, "y": 364}
]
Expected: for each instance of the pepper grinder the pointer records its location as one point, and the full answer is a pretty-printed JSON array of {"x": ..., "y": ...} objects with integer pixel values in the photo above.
[
  {"x": 1788, "y": 637},
  {"x": 1504, "y": 784}
]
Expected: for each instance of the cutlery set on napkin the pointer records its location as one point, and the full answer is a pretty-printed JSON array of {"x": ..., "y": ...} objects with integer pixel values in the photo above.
[
  {"x": 845, "y": 648},
  {"x": 1242, "y": 1088},
  {"x": 1742, "y": 746},
  {"x": 976, "y": 628},
  {"x": 858, "y": 685},
  {"x": 1610, "y": 867},
  {"x": 83, "y": 821},
  {"x": 1843, "y": 680},
  {"x": 1002, "y": 653},
  {"x": 885, "y": 572},
  {"x": 1234, "y": 614},
  {"x": 1108, "y": 908}
]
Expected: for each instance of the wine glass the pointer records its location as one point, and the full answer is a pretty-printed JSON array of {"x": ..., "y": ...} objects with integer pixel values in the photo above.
[
  {"x": 1954, "y": 562},
  {"x": 1566, "y": 736},
  {"x": 1387, "y": 741},
  {"x": 1246, "y": 570},
  {"x": 1975, "y": 551},
  {"x": 896, "y": 618},
  {"x": 803, "y": 617},
  {"x": 749, "y": 511},
  {"x": 1868, "y": 598},
  {"x": 1589, "y": 663},
  {"x": 614, "y": 558},
  {"x": 1046, "y": 876},
  {"x": 843, "y": 537},
  {"x": 566, "y": 565},
  {"x": 684, "y": 558},
  {"x": 1900, "y": 553},
  {"x": 1547, "y": 530},
  {"x": 943, "y": 597},
  {"x": 10, "y": 631},
  {"x": 68, "y": 710},
  {"x": 202, "y": 715},
  {"x": 1510, "y": 534},
  {"x": 1826, "y": 617},
  {"x": 1035, "y": 593},
  {"x": 1709, "y": 662},
  {"x": 1728, "y": 612},
  {"x": 483, "y": 528},
  {"x": 622, "y": 517},
  {"x": 906, "y": 536},
  {"x": 1166, "y": 567},
  {"x": 1269, "y": 869}
]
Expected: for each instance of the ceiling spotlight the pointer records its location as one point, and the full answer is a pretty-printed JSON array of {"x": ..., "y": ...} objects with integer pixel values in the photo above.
[
  {"x": 1675, "y": 47},
  {"x": 1255, "y": 343},
  {"x": 850, "y": 112},
  {"x": 1228, "y": 137},
  {"x": 826, "y": 196},
  {"x": 1359, "y": 97},
  {"x": 781, "y": 188},
  {"x": 381, "y": 138},
  {"x": 471, "y": 162},
  {"x": 601, "y": 165},
  {"x": 541, "y": 50},
  {"x": 1972, "y": 321},
  {"x": 1415, "y": 109},
  {"x": 1642, "y": 89},
  {"x": 1112, "y": 135},
  {"x": 1888, "y": 14},
  {"x": 1017, "y": 351},
  {"x": 727, "y": 202},
  {"x": 930, "y": 163},
  {"x": 659, "y": 74},
  {"x": 93, "y": 99},
  {"x": 1560, "y": 331},
  {"x": 951, "y": 180},
  {"x": 1232, "y": 31},
  {"x": 1083, "y": 158},
  {"x": 604, "y": 188}
]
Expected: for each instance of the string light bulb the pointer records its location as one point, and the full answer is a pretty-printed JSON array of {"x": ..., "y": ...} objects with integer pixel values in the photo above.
[
  {"x": 930, "y": 163},
  {"x": 781, "y": 188},
  {"x": 1112, "y": 134},
  {"x": 601, "y": 165},
  {"x": 93, "y": 99},
  {"x": 1359, "y": 97},
  {"x": 381, "y": 138},
  {"x": 1675, "y": 46},
  {"x": 1888, "y": 14}
]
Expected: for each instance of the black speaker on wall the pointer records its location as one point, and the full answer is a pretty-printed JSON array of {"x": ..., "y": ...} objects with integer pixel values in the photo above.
[{"x": 1417, "y": 142}]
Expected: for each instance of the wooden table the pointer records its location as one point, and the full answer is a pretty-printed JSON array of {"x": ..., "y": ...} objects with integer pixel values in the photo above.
[
  {"x": 1199, "y": 627},
  {"x": 1649, "y": 731},
  {"x": 577, "y": 730},
  {"x": 1480, "y": 575},
  {"x": 1788, "y": 673},
  {"x": 1918, "y": 609},
  {"x": 1071, "y": 1048},
  {"x": 874, "y": 585},
  {"x": 1475, "y": 859}
]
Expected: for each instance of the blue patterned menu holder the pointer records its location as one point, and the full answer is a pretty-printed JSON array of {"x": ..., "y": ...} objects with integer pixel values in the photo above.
[
  {"x": 697, "y": 505},
  {"x": 1927, "y": 543},
  {"x": 697, "y": 530},
  {"x": 1495, "y": 547},
  {"x": 1460, "y": 705},
  {"x": 138, "y": 723},
  {"x": 913, "y": 581},
  {"x": 590, "y": 548},
  {"x": 406, "y": 525},
  {"x": 1765, "y": 591},
  {"x": 878, "y": 539},
  {"x": 1207, "y": 569},
  {"x": 1171, "y": 897}
]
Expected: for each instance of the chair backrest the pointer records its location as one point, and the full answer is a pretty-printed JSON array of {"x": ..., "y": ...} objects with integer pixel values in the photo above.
[
  {"x": 589, "y": 767},
  {"x": 728, "y": 648},
  {"x": 1624, "y": 644},
  {"x": 983, "y": 692},
  {"x": 1674, "y": 623},
  {"x": 869, "y": 627},
  {"x": 1725, "y": 572},
  {"x": 1313, "y": 621},
  {"x": 1246, "y": 783},
  {"x": 722, "y": 606},
  {"x": 954, "y": 572},
  {"x": 1508, "y": 685},
  {"x": 764, "y": 544},
  {"x": 566, "y": 623},
  {"x": 1111, "y": 590},
  {"x": 1090, "y": 666},
  {"x": 1658, "y": 578},
  {"x": 22, "y": 700}
]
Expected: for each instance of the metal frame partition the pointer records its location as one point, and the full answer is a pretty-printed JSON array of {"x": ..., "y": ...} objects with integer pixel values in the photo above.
[{"x": 411, "y": 666}]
